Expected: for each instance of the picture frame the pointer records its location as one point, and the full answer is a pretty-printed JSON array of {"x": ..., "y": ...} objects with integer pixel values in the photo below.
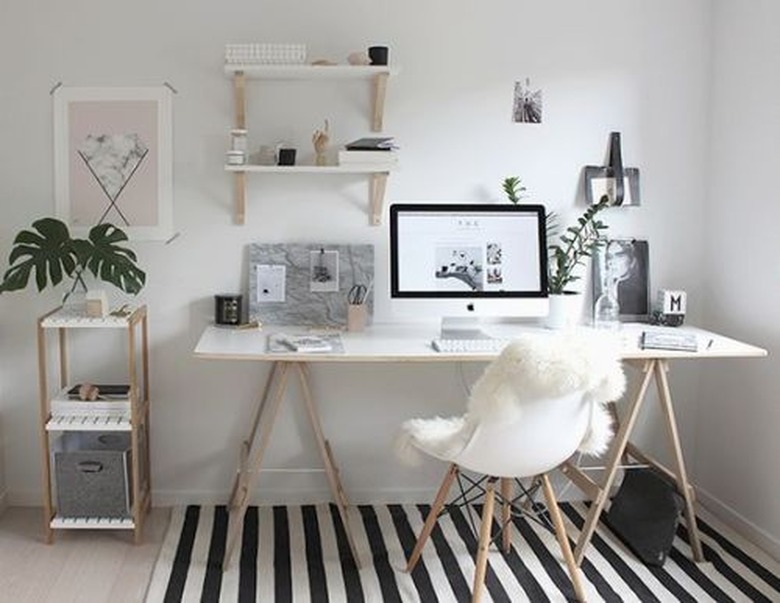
[
  {"x": 113, "y": 159},
  {"x": 600, "y": 181},
  {"x": 625, "y": 263}
]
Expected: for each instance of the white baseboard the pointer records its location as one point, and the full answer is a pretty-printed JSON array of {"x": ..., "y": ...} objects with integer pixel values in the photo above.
[{"x": 740, "y": 524}]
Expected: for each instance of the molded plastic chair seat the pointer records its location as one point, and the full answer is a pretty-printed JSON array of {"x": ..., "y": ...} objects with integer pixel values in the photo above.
[{"x": 538, "y": 403}]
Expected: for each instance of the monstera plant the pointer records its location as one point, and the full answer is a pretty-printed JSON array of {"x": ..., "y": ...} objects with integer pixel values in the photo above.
[{"x": 49, "y": 251}]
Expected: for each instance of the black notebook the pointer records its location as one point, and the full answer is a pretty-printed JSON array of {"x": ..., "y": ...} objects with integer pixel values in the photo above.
[{"x": 371, "y": 144}]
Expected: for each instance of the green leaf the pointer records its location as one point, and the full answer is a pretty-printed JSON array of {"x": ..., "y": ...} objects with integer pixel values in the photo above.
[
  {"x": 46, "y": 252},
  {"x": 111, "y": 262}
]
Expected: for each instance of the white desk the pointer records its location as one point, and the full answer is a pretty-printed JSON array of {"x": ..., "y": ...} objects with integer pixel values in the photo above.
[{"x": 412, "y": 343}]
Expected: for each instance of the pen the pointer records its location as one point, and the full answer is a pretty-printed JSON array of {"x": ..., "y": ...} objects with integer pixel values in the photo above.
[{"x": 709, "y": 344}]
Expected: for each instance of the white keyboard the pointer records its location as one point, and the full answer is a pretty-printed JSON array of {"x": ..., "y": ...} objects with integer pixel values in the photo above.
[{"x": 469, "y": 346}]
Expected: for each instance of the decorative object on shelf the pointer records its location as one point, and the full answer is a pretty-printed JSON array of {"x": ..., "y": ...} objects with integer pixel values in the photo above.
[
  {"x": 235, "y": 158},
  {"x": 620, "y": 184},
  {"x": 527, "y": 105},
  {"x": 358, "y": 58},
  {"x": 113, "y": 152},
  {"x": 670, "y": 307},
  {"x": 286, "y": 156},
  {"x": 48, "y": 250},
  {"x": 265, "y": 54},
  {"x": 622, "y": 264},
  {"x": 379, "y": 55},
  {"x": 324, "y": 63},
  {"x": 97, "y": 303},
  {"x": 320, "y": 140},
  {"x": 238, "y": 140}
]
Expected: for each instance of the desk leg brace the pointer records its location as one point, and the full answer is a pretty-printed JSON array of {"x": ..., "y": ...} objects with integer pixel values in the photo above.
[
  {"x": 665, "y": 398},
  {"x": 652, "y": 369},
  {"x": 253, "y": 450},
  {"x": 613, "y": 464}
]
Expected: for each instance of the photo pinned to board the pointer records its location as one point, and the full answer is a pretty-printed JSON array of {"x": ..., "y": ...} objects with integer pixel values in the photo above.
[{"x": 324, "y": 271}]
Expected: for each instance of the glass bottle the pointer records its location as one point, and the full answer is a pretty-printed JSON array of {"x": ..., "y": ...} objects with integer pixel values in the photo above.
[{"x": 606, "y": 310}]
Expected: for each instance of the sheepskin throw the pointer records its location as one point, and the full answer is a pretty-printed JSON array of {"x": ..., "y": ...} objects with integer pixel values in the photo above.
[{"x": 534, "y": 366}]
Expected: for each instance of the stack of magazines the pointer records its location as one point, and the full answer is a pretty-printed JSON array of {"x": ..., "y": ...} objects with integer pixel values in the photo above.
[{"x": 380, "y": 151}]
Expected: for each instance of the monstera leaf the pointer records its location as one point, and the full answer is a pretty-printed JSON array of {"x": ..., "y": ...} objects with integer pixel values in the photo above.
[
  {"x": 108, "y": 261},
  {"x": 50, "y": 252}
]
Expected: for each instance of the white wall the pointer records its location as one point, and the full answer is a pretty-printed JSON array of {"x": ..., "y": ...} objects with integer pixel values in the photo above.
[
  {"x": 628, "y": 65},
  {"x": 738, "y": 406}
]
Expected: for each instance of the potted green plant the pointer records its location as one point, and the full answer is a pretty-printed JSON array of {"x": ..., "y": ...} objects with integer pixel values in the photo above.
[
  {"x": 567, "y": 251},
  {"x": 50, "y": 252}
]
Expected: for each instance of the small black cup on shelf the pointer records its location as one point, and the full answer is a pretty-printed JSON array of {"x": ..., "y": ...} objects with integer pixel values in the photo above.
[
  {"x": 378, "y": 55},
  {"x": 286, "y": 157}
]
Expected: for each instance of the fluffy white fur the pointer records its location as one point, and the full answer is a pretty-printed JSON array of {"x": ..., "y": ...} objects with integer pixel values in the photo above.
[{"x": 534, "y": 366}]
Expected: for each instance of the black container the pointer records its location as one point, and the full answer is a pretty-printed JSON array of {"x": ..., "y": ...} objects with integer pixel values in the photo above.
[
  {"x": 378, "y": 55},
  {"x": 286, "y": 156},
  {"x": 227, "y": 309}
]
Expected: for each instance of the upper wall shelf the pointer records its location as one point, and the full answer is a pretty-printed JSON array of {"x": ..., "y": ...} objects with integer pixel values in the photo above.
[{"x": 376, "y": 74}]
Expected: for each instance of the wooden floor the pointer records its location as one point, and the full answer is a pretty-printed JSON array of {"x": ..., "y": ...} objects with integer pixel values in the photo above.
[{"x": 84, "y": 566}]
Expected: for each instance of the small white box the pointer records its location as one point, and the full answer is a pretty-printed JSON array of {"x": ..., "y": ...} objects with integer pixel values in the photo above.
[
  {"x": 672, "y": 301},
  {"x": 97, "y": 303}
]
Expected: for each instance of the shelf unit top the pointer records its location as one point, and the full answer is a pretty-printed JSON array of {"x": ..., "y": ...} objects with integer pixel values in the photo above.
[
  {"x": 75, "y": 317},
  {"x": 308, "y": 72}
]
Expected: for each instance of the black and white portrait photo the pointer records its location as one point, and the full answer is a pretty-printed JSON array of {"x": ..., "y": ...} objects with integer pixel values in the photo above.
[{"x": 623, "y": 265}]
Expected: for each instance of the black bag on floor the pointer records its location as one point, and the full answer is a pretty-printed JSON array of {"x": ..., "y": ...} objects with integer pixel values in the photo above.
[{"x": 644, "y": 514}]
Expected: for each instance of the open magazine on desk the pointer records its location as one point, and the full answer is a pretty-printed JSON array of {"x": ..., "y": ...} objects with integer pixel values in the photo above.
[{"x": 305, "y": 343}]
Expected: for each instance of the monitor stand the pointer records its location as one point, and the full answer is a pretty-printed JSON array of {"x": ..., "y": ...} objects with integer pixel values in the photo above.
[{"x": 456, "y": 327}]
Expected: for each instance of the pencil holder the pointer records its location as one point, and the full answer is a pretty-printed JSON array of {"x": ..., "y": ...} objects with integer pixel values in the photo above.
[{"x": 357, "y": 317}]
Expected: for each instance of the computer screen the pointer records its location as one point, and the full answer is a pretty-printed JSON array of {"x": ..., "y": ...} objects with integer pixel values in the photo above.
[{"x": 464, "y": 260}]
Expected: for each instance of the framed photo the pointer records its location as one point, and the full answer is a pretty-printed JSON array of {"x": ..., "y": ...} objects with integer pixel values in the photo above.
[
  {"x": 113, "y": 159},
  {"x": 598, "y": 183},
  {"x": 623, "y": 263}
]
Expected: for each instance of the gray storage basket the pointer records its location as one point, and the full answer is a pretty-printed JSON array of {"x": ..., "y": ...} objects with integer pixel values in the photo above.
[{"x": 93, "y": 475}]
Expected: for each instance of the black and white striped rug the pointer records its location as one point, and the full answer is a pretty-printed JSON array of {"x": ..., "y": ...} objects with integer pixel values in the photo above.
[{"x": 299, "y": 553}]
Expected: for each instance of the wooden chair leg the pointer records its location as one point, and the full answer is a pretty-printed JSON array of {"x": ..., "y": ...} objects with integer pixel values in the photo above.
[
  {"x": 484, "y": 541},
  {"x": 506, "y": 513},
  {"x": 563, "y": 539},
  {"x": 433, "y": 515}
]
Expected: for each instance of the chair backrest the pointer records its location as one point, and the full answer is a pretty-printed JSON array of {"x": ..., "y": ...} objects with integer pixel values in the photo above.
[
  {"x": 533, "y": 407},
  {"x": 548, "y": 431}
]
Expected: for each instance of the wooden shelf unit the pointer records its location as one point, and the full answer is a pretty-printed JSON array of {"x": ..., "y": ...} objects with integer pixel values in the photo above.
[
  {"x": 134, "y": 420},
  {"x": 378, "y": 76}
]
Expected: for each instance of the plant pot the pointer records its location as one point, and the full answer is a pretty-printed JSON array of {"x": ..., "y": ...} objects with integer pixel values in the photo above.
[{"x": 565, "y": 310}]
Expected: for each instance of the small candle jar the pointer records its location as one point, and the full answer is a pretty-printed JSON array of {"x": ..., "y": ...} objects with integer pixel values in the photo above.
[{"x": 238, "y": 140}]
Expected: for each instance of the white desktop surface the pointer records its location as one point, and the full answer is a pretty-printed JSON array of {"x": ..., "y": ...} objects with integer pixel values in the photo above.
[{"x": 412, "y": 343}]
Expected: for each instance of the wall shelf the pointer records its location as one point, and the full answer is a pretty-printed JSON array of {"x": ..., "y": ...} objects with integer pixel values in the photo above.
[{"x": 377, "y": 75}]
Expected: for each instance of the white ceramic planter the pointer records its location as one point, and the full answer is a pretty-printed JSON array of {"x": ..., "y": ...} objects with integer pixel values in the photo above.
[{"x": 565, "y": 310}]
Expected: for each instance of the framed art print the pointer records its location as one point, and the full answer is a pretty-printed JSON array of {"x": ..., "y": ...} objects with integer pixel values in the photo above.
[
  {"x": 623, "y": 264},
  {"x": 113, "y": 159}
]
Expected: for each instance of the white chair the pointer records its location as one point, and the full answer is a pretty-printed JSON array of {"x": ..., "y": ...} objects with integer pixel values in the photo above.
[{"x": 539, "y": 402}]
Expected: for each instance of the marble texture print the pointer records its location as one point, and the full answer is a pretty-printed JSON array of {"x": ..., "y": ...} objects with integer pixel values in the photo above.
[{"x": 113, "y": 159}]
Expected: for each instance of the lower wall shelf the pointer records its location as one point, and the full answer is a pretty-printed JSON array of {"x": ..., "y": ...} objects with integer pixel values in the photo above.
[{"x": 377, "y": 184}]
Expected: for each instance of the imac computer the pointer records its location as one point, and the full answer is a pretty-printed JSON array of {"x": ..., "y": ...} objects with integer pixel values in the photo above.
[{"x": 467, "y": 261}]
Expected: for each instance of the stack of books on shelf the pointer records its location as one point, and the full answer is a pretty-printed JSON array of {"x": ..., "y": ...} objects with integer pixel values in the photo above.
[{"x": 379, "y": 151}]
